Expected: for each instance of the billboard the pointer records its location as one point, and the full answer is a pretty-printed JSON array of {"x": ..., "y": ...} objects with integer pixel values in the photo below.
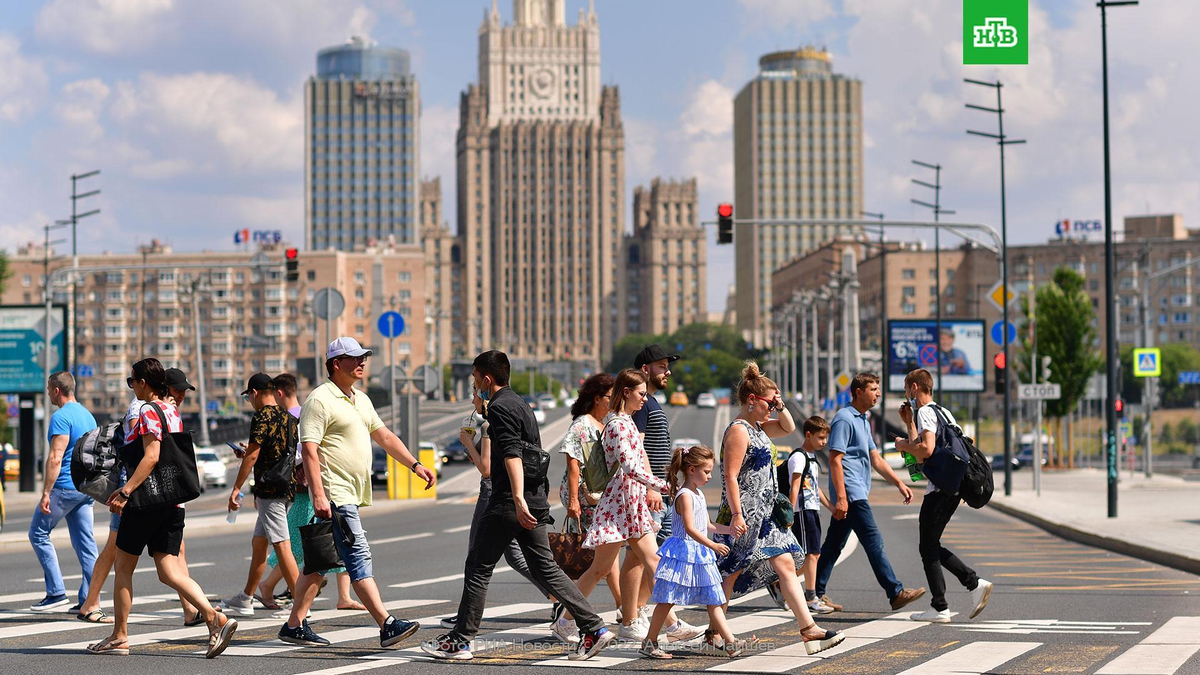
[
  {"x": 915, "y": 344},
  {"x": 22, "y": 339}
]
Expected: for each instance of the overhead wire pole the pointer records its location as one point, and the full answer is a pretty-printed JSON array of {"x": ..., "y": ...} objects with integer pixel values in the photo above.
[
  {"x": 884, "y": 344},
  {"x": 936, "y": 206},
  {"x": 74, "y": 221},
  {"x": 1110, "y": 295},
  {"x": 1001, "y": 141}
]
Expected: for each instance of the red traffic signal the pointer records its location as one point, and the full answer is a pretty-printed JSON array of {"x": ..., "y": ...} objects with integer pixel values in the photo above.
[
  {"x": 724, "y": 223},
  {"x": 725, "y": 210},
  {"x": 1120, "y": 406},
  {"x": 293, "y": 265},
  {"x": 291, "y": 254},
  {"x": 999, "y": 361}
]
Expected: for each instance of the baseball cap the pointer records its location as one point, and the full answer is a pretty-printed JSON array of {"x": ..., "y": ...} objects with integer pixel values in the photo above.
[
  {"x": 177, "y": 380},
  {"x": 651, "y": 354},
  {"x": 345, "y": 346},
  {"x": 259, "y": 382}
]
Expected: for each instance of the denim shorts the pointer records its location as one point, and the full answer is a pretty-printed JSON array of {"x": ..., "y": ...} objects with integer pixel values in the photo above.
[
  {"x": 114, "y": 522},
  {"x": 357, "y": 556}
]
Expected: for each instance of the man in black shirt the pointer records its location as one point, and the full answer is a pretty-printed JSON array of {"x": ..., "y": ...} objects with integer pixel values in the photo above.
[{"x": 518, "y": 510}]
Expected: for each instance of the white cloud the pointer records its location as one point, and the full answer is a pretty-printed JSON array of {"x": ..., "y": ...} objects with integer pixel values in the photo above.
[
  {"x": 81, "y": 105},
  {"x": 22, "y": 81},
  {"x": 439, "y": 126},
  {"x": 105, "y": 26}
]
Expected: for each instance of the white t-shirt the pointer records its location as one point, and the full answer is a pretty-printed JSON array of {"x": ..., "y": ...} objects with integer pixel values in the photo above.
[
  {"x": 809, "y": 497},
  {"x": 927, "y": 420}
]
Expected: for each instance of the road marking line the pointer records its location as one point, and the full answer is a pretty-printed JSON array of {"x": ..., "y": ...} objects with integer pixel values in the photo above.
[
  {"x": 455, "y": 530},
  {"x": 794, "y": 655},
  {"x": 406, "y": 537},
  {"x": 1163, "y": 652},
  {"x": 974, "y": 658},
  {"x": 191, "y": 566},
  {"x": 449, "y": 577},
  {"x": 350, "y": 668},
  {"x": 907, "y": 516}
]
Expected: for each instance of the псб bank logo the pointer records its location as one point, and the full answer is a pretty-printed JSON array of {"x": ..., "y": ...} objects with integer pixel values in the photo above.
[{"x": 995, "y": 31}]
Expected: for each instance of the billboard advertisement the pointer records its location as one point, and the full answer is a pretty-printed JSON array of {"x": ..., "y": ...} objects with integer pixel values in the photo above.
[
  {"x": 22, "y": 339},
  {"x": 915, "y": 344}
]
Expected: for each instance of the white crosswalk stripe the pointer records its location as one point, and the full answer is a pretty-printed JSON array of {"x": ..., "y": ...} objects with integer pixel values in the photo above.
[
  {"x": 973, "y": 658},
  {"x": 1163, "y": 652}
]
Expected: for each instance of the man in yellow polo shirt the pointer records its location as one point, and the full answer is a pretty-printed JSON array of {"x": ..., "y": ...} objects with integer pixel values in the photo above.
[{"x": 337, "y": 424}]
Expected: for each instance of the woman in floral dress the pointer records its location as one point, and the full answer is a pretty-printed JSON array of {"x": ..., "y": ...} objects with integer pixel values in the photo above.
[{"x": 759, "y": 549}]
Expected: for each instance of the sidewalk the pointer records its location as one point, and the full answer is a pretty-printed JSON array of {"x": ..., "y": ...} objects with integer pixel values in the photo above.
[{"x": 1158, "y": 518}]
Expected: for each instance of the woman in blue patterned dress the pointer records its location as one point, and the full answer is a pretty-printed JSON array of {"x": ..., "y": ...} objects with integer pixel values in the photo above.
[{"x": 759, "y": 549}]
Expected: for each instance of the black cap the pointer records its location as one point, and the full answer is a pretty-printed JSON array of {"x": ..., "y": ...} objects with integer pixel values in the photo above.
[
  {"x": 177, "y": 380},
  {"x": 651, "y": 354},
  {"x": 259, "y": 382}
]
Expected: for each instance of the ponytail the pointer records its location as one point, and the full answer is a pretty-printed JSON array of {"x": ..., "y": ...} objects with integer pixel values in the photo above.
[{"x": 681, "y": 460}]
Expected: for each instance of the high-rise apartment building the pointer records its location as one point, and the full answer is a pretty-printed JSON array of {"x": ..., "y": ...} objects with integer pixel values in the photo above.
[
  {"x": 667, "y": 259},
  {"x": 541, "y": 176},
  {"x": 443, "y": 302},
  {"x": 797, "y": 138},
  {"x": 361, "y": 114}
]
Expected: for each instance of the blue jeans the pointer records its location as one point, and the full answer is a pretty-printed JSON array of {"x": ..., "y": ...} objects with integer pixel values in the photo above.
[
  {"x": 76, "y": 507},
  {"x": 357, "y": 556},
  {"x": 861, "y": 521}
]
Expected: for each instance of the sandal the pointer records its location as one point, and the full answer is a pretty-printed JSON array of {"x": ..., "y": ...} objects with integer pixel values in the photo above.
[
  {"x": 267, "y": 604},
  {"x": 737, "y": 648},
  {"x": 110, "y": 646},
  {"x": 828, "y": 640},
  {"x": 94, "y": 616},
  {"x": 198, "y": 619},
  {"x": 651, "y": 650}
]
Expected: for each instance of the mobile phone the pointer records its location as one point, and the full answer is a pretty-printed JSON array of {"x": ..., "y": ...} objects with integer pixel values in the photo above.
[{"x": 237, "y": 449}]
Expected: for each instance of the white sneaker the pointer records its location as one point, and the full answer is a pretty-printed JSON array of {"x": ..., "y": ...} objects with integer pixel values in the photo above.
[
  {"x": 931, "y": 616},
  {"x": 682, "y": 631},
  {"x": 240, "y": 604},
  {"x": 636, "y": 631},
  {"x": 980, "y": 596},
  {"x": 566, "y": 631},
  {"x": 818, "y": 607},
  {"x": 645, "y": 612}
]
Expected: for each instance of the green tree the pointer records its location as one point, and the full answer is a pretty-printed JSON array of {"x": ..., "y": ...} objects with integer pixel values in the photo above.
[
  {"x": 1165, "y": 434},
  {"x": 1187, "y": 431},
  {"x": 713, "y": 355}
]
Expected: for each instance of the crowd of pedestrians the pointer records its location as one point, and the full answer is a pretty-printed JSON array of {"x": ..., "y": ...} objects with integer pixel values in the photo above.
[{"x": 311, "y": 463}]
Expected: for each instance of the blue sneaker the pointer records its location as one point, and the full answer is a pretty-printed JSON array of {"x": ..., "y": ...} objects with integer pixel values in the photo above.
[
  {"x": 396, "y": 630},
  {"x": 51, "y": 603},
  {"x": 447, "y": 647},
  {"x": 591, "y": 644},
  {"x": 301, "y": 635}
]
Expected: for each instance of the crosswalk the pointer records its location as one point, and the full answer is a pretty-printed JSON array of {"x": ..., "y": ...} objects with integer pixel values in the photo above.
[{"x": 518, "y": 634}]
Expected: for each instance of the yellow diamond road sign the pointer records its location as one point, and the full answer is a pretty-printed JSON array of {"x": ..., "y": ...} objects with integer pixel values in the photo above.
[
  {"x": 1147, "y": 362},
  {"x": 999, "y": 297},
  {"x": 842, "y": 380}
]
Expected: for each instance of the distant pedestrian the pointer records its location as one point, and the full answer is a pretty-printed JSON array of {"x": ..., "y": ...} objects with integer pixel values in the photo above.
[
  {"x": 807, "y": 498},
  {"x": 337, "y": 425},
  {"x": 852, "y": 455},
  {"x": 60, "y": 499},
  {"x": 519, "y": 509},
  {"x": 271, "y": 457},
  {"x": 158, "y": 528},
  {"x": 938, "y": 506},
  {"x": 687, "y": 571}
]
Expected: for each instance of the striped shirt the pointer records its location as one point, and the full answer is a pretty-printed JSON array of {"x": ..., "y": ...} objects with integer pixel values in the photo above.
[{"x": 652, "y": 421}]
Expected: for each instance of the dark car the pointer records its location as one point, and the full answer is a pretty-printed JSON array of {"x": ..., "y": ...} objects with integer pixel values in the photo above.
[
  {"x": 455, "y": 451},
  {"x": 378, "y": 465}
]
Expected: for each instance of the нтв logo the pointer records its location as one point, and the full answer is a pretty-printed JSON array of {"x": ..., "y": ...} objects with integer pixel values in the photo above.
[{"x": 995, "y": 31}]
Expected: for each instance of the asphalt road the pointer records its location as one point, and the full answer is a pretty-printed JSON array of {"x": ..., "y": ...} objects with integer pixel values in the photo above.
[{"x": 1058, "y": 607}]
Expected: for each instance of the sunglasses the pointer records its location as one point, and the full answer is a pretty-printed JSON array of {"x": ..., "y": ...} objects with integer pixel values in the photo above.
[
  {"x": 772, "y": 406},
  {"x": 359, "y": 359},
  {"x": 129, "y": 382}
]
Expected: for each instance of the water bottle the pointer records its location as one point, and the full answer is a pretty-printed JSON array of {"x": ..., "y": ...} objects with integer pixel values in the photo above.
[
  {"x": 914, "y": 469},
  {"x": 232, "y": 517}
]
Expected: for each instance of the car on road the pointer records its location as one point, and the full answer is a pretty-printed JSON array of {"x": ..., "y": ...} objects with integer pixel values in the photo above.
[
  {"x": 892, "y": 456},
  {"x": 706, "y": 400},
  {"x": 684, "y": 443},
  {"x": 679, "y": 398},
  {"x": 378, "y": 465},
  {"x": 455, "y": 451},
  {"x": 211, "y": 468},
  {"x": 538, "y": 413},
  {"x": 439, "y": 458},
  {"x": 660, "y": 397},
  {"x": 569, "y": 401},
  {"x": 547, "y": 402}
]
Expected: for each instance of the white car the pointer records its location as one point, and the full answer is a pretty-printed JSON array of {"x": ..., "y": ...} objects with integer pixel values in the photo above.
[
  {"x": 540, "y": 416},
  {"x": 439, "y": 457},
  {"x": 568, "y": 401},
  {"x": 706, "y": 400},
  {"x": 685, "y": 443},
  {"x": 211, "y": 469},
  {"x": 547, "y": 401},
  {"x": 892, "y": 456},
  {"x": 660, "y": 397}
]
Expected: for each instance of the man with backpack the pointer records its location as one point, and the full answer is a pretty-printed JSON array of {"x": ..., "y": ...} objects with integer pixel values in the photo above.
[
  {"x": 271, "y": 454},
  {"x": 928, "y": 430}
]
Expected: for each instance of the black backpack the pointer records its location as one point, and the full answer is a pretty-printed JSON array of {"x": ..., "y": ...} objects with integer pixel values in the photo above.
[
  {"x": 974, "y": 472},
  {"x": 783, "y": 478},
  {"x": 95, "y": 469},
  {"x": 977, "y": 486}
]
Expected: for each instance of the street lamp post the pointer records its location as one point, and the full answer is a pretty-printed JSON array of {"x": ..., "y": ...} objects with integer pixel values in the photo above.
[
  {"x": 884, "y": 344},
  {"x": 1002, "y": 141},
  {"x": 936, "y": 206},
  {"x": 1110, "y": 295}
]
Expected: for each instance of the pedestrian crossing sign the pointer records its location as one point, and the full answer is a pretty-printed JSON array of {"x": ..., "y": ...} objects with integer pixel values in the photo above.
[{"x": 1147, "y": 362}]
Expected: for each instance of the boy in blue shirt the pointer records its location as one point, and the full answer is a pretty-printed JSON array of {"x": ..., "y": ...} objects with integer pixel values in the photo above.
[{"x": 807, "y": 498}]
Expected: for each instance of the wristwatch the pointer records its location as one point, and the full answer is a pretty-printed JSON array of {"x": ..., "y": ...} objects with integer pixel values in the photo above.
[
  {"x": 414, "y": 466},
  {"x": 124, "y": 495}
]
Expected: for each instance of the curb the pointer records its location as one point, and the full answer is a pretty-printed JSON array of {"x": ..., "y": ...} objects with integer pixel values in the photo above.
[{"x": 1075, "y": 534}]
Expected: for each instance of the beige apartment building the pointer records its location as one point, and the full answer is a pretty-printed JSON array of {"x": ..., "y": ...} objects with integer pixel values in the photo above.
[
  {"x": 541, "y": 175},
  {"x": 443, "y": 273},
  {"x": 798, "y": 154},
  {"x": 250, "y": 319},
  {"x": 666, "y": 256}
]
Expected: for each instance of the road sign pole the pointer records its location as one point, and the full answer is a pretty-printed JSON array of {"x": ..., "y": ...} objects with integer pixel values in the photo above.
[{"x": 391, "y": 367}]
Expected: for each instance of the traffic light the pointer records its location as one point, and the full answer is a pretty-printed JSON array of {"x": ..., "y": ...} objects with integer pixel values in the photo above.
[
  {"x": 293, "y": 265},
  {"x": 1000, "y": 372},
  {"x": 1120, "y": 408},
  {"x": 724, "y": 223}
]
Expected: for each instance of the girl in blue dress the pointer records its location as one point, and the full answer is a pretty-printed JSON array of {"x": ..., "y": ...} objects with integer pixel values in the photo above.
[{"x": 687, "y": 561}]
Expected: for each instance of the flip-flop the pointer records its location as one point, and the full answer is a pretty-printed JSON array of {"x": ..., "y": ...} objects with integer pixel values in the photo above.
[
  {"x": 272, "y": 605},
  {"x": 94, "y": 616},
  {"x": 109, "y": 646}
]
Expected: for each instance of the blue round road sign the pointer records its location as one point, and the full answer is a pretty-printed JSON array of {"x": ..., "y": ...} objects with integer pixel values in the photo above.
[
  {"x": 391, "y": 324},
  {"x": 998, "y": 333}
]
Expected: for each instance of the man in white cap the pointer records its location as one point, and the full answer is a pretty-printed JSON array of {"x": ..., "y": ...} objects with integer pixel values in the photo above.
[{"x": 337, "y": 425}]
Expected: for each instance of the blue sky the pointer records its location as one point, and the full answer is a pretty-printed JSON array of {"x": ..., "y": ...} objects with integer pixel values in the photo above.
[{"x": 192, "y": 108}]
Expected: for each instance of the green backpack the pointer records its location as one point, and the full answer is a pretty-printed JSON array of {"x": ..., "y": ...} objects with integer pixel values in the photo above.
[{"x": 596, "y": 473}]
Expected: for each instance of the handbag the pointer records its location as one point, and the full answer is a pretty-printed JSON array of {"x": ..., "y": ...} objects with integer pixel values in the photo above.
[
  {"x": 782, "y": 512},
  {"x": 569, "y": 553},
  {"x": 174, "y": 479},
  {"x": 317, "y": 540}
]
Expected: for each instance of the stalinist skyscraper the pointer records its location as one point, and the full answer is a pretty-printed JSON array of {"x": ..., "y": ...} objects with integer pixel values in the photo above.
[{"x": 541, "y": 182}]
